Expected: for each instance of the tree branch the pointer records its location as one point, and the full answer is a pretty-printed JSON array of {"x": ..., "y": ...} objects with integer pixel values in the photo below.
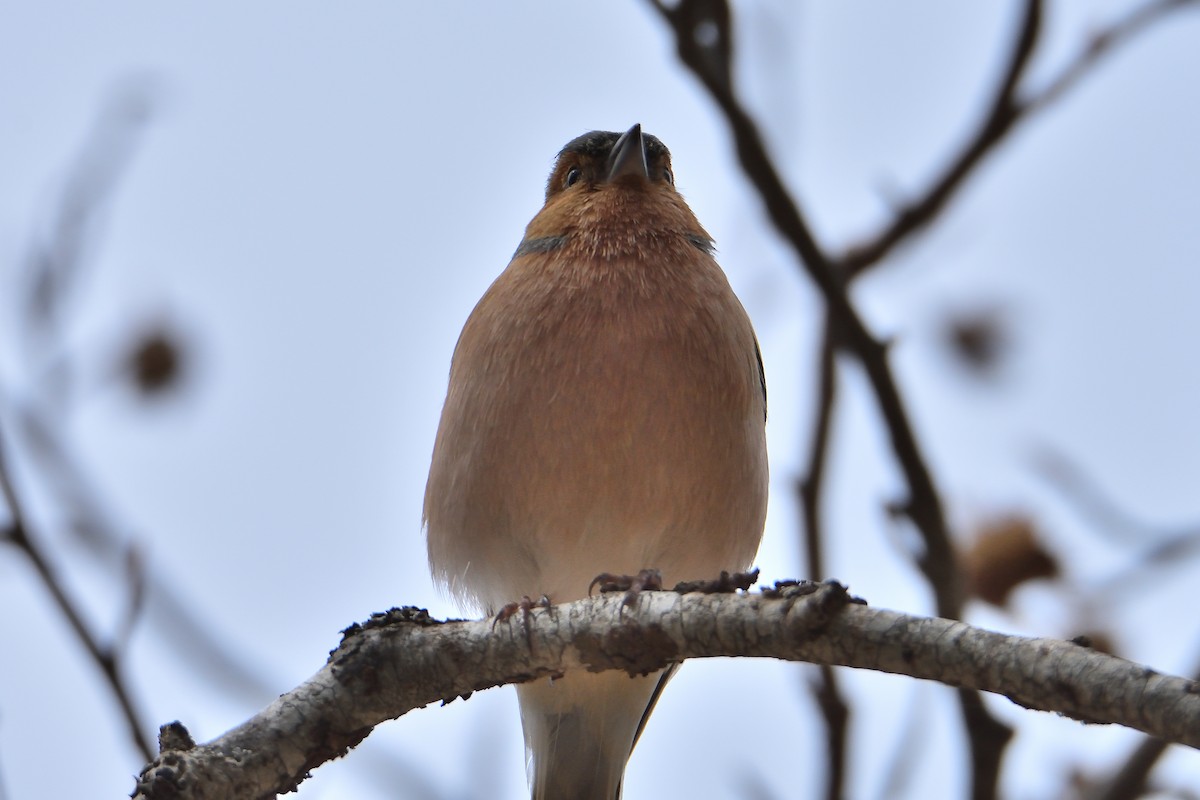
[
  {"x": 693, "y": 22},
  {"x": 834, "y": 710},
  {"x": 106, "y": 658},
  {"x": 808, "y": 488},
  {"x": 1101, "y": 44},
  {"x": 404, "y": 660},
  {"x": 703, "y": 37},
  {"x": 1129, "y": 780},
  {"x": 1006, "y": 109},
  {"x": 1003, "y": 113}
]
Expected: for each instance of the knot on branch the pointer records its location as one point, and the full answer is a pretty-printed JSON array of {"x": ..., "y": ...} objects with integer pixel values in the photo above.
[
  {"x": 407, "y": 615},
  {"x": 174, "y": 736},
  {"x": 825, "y": 601}
]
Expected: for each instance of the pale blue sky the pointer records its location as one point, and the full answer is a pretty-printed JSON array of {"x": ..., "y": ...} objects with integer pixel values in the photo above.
[{"x": 322, "y": 194}]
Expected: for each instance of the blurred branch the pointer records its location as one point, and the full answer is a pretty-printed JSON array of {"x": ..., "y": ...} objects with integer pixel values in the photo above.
[
  {"x": 1101, "y": 44},
  {"x": 1006, "y": 109},
  {"x": 1167, "y": 546},
  {"x": 34, "y": 417},
  {"x": 834, "y": 711},
  {"x": 404, "y": 660},
  {"x": 106, "y": 658},
  {"x": 135, "y": 573},
  {"x": 90, "y": 526},
  {"x": 52, "y": 274},
  {"x": 157, "y": 598},
  {"x": 1003, "y": 113},
  {"x": 1095, "y": 504},
  {"x": 57, "y": 257},
  {"x": 809, "y": 487},
  {"x": 703, "y": 37},
  {"x": 694, "y": 23},
  {"x": 52, "y": 278},
  {"x": 905, "y": 760},
  {"x": 1129, "y": 781}
]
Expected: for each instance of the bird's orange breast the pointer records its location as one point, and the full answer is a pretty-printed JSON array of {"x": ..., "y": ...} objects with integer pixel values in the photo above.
[{"x": 605, "y": 411}]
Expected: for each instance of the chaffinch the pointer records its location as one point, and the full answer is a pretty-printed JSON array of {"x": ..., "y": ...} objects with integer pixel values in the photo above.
[{"x": 606, "y": 412}]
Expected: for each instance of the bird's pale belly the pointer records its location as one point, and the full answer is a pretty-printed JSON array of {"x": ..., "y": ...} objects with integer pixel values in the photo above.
[{"x": 605, "y": 485}]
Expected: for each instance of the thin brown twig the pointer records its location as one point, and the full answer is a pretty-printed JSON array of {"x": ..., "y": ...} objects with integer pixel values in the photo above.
[
  {"x": 1096, "y": 505},
  {"x": 703, "y": 38},
  {"x": 924, "y": 505},
  {"x": 1101, "y": 44},
  {"x": 1129, "y": 782},
  {"x": 105, "y": 658},
  {"x": 834, "y": 711},
  {"x": 157, "y": 601},
  {"x": 1158, "y": 546},
  {"x": 809, "y": 487},
  {"x": 135, "y": 570},
  {"x": 1003, "y": 112},
  {"x": 1006, "y": 109},
  {"x": 53, "y": 266}
]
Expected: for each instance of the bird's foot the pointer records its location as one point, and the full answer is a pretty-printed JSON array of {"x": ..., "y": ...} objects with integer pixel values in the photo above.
[
  {"x": 726, "y": 584},
  {"x": 524, "y": 605},
  {"x": 648, "y": 580}
]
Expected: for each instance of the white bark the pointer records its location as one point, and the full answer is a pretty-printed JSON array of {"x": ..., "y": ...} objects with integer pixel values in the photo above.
[{"x": 404, "y": 660}]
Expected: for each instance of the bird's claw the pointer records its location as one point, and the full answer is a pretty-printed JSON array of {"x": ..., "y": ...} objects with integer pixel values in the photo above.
[
  {"x": 648, "y": 580},
  {"x": 726, "y": 584},
  {"x": 524, "y": 605}
]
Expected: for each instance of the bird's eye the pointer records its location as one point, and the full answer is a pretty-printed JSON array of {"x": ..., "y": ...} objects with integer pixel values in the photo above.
[
  {"x": 573, "y": 175},
  {"x": 668, "y": 177}
]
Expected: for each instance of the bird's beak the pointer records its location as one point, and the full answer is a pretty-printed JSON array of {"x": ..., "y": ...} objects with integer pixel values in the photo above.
[{"x": 628, "y": 156}]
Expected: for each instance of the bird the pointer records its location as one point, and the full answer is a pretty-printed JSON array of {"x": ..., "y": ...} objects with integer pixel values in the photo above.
[{"x": 606, "y": 413}]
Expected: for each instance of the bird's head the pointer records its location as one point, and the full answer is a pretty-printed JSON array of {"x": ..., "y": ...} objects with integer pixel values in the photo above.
[
  {"x": 602, "y": 158},
  {"x": 613, "y": 194}
]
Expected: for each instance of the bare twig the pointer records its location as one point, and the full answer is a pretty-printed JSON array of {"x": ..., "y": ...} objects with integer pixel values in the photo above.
[
  {"x": 697, "y": 50},
  {"x": 106, "y": 659},
  {"x": 1096, "y": 505},
  {"x": 56, "y": 260},
  {"x": 834, "y": 710},
  {"x": 58, "y": 257},
  {"x": 135, "y": 570},
  {"x": 1129, "y": 782},
  {"x": 157, "y": 600},
  {"x": 52, "y": 272},
  {"x": 904, "y": 762},
  {"x": 404, "y": 660},
  {"x": 1101, "y": 44},
  {"x": 1158, "y": 545},
  {"x": 1004, "y": 111},
  {"x": 703, "y": 39},
  {"x": 809, "y": 487}
]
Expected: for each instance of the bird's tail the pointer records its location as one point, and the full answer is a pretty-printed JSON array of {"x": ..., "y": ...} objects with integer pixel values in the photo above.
[{"x": 580, "y": 730}]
